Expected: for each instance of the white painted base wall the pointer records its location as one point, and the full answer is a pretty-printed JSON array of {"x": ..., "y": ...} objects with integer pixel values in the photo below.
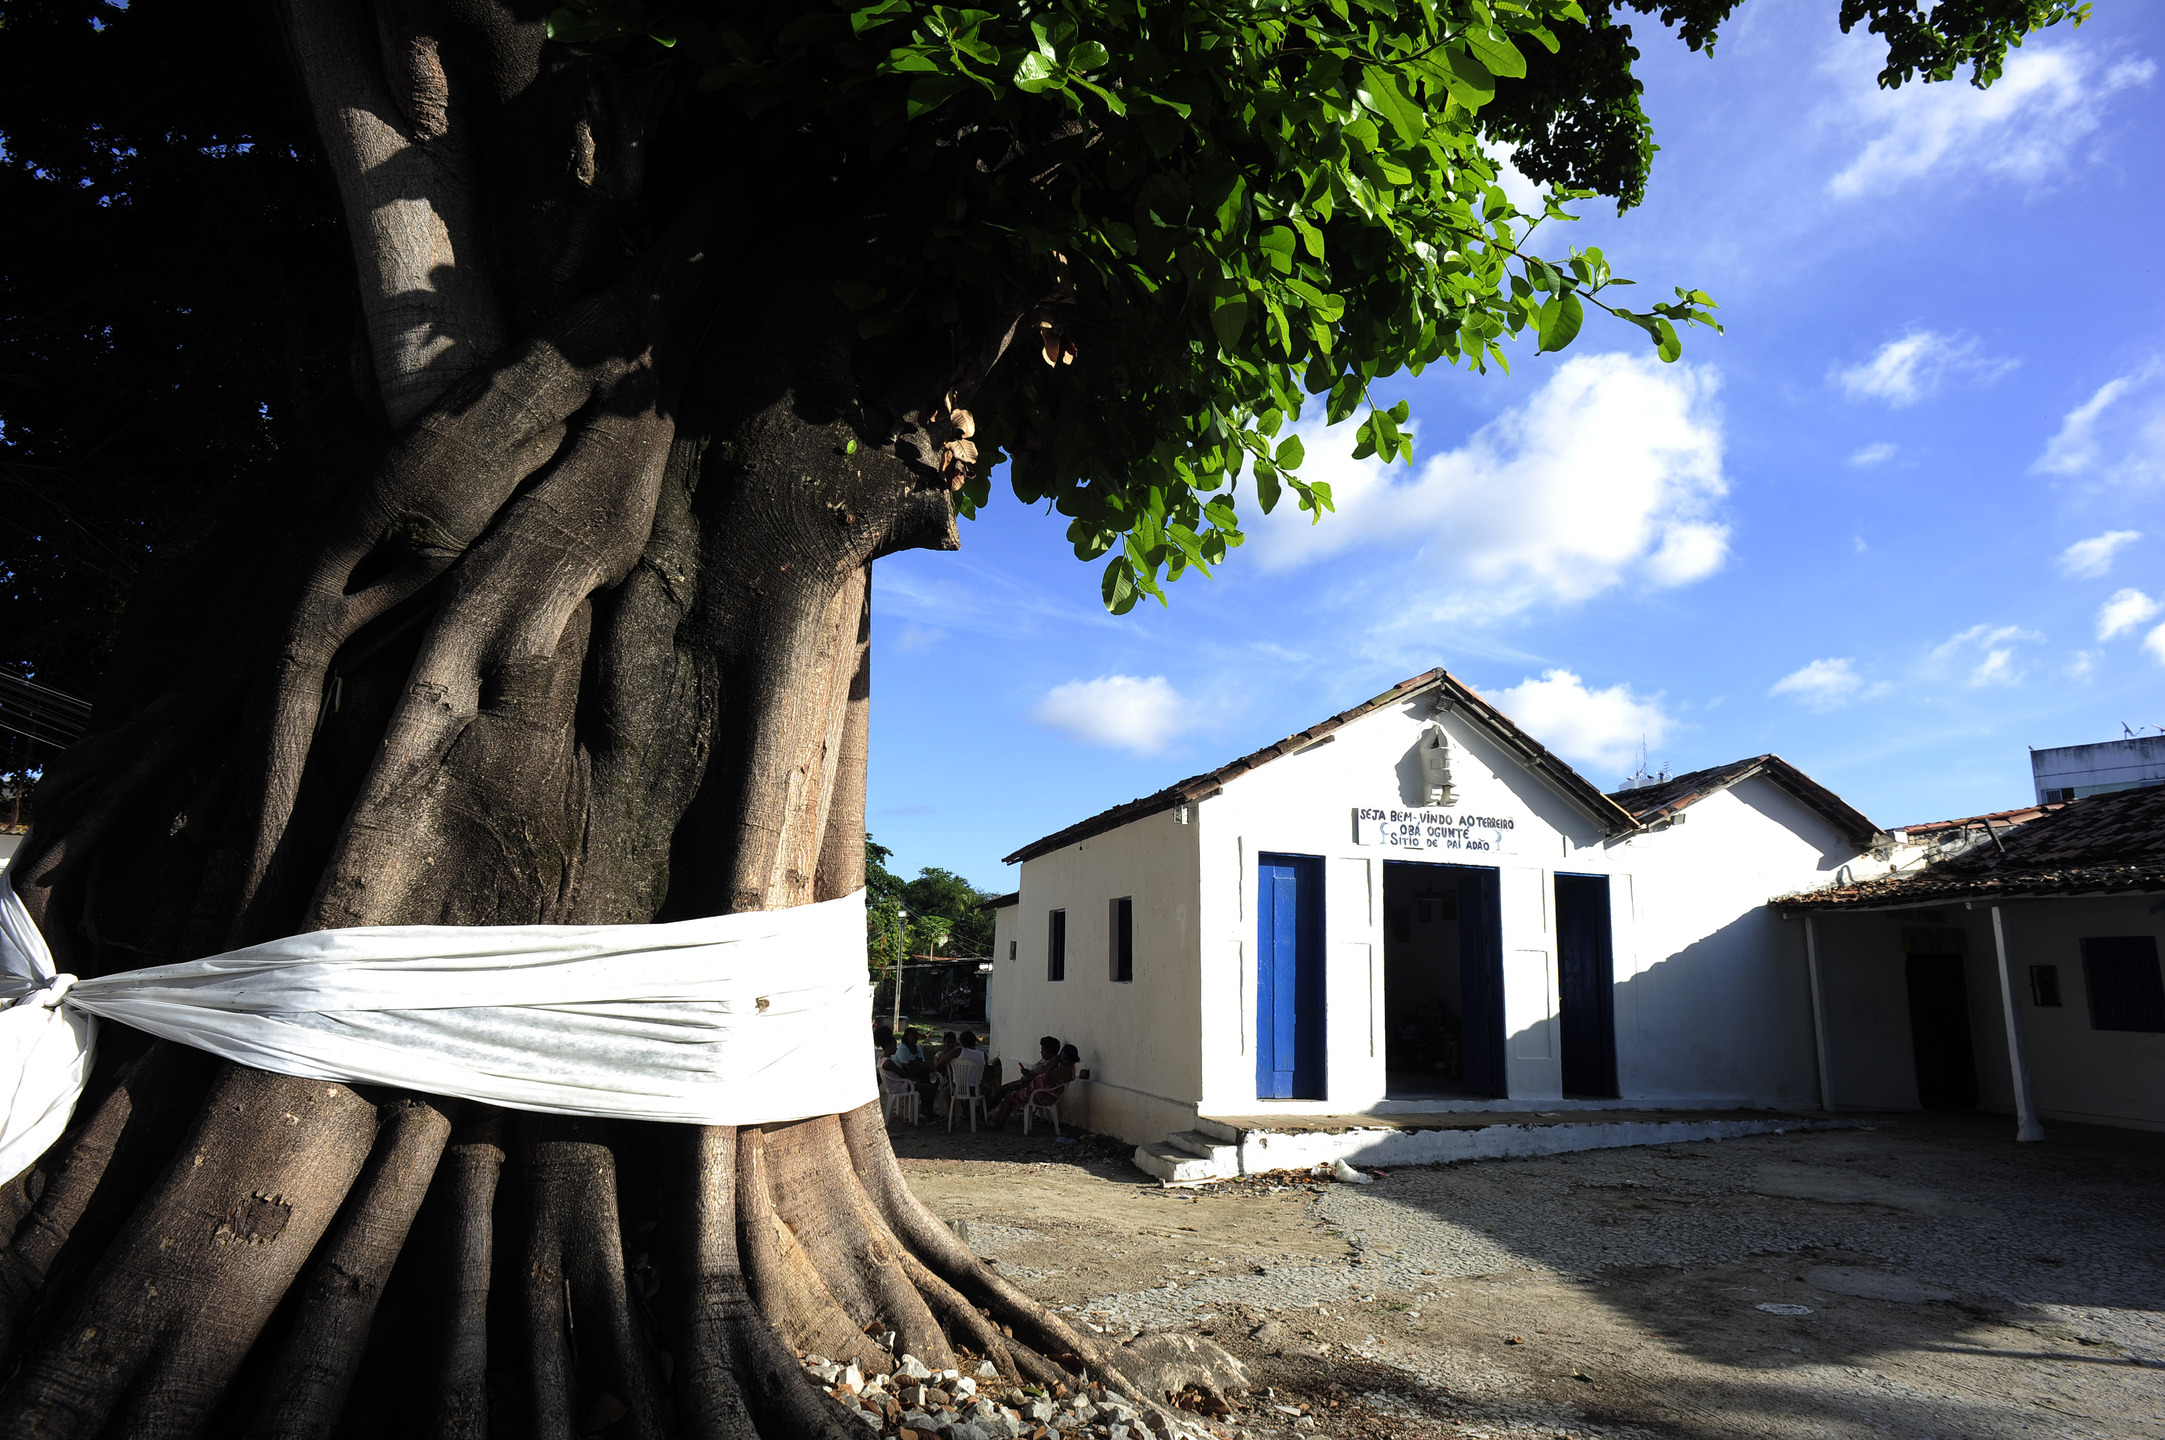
[{"x": 1262, "y": 1150}]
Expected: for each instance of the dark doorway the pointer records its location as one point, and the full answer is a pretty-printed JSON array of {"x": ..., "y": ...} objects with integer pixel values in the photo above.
[
  {"x": 1939, "y": 1033},
  {"x": 1442, "y": 981},
  {"x": 1586, "y": 976},
  {"x": 1289, "y": 1000}
]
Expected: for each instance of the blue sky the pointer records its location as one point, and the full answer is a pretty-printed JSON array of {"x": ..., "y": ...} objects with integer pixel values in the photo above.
[{"x": 1904, "y": 520}]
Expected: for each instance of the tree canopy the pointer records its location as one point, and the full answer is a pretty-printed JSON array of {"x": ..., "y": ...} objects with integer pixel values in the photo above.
[
  {"x": 945, "y": 914},
  {"x": 1218, "y": 210}
]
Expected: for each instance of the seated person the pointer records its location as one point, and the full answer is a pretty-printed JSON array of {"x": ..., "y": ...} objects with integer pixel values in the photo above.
[
  {"x": 911, "y": 1057},
  {"x": 950, "y": 1047},
  {"x": 968, "y": 1051},
  {"x": 1048, "y": 1054},
  {"x": 883, "y": 1047},
  {"x": 1044, "y": 1088}
]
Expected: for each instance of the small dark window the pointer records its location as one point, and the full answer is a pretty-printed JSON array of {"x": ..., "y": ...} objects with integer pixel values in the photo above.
[
  {"x": 2044, "y": 985},
  {"x": 1011, "y": 948},
  {"x": 1123, "y": 956},
  {"x": 1056, "y": 945},
  {"x": 2126, "y": 990}
]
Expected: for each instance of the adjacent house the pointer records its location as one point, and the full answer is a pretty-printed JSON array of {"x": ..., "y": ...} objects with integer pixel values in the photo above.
[
  {"x": 2020, "y": 973},
  {"x": 1414, "y": 906}
]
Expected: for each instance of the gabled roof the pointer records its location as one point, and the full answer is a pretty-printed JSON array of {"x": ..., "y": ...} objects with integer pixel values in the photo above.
[
  {"x": 1651, "y": 804},
  {"x": 1456, "y": 696},
  {"x": 2101, "y": 845}
]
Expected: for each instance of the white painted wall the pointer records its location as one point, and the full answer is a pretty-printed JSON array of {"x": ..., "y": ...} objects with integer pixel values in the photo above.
[
  {"x": 2109, "y": 1077},
  {"x": 1138, "y": 1039},
  {"x": 1712, "y": 1003},
  {"x": 1303, "y": 805}
]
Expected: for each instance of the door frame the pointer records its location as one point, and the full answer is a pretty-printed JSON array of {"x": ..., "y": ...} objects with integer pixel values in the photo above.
[
  {"x": 1600, "y": 1025},
  {"x": 1480, "y": 959},
  {"x": 1310, "y": 1070}
]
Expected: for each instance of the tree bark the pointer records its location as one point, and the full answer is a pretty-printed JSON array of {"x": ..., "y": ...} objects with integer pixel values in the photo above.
[{"x": 583, "y": 639}]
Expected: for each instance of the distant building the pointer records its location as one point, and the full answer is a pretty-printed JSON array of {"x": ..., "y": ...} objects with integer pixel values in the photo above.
[{"x": 2071, "y": 772}]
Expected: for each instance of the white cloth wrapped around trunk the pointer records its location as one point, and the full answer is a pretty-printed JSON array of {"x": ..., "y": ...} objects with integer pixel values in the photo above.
[{"x": 732, "y": 1020}]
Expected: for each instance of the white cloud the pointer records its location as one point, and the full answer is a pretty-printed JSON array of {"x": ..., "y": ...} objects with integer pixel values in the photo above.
[
  {"x": 1913, "y": 367},
  {"x": 2154, "y": 642},
  {"x": 1997, "y": 668},
  {"x": 1122, "y": 712},
  {"x": 2123, "y": 612},
  {"x": 1596, "y": 727},
  {"x": 2081, "y": 665},
  {"x": 2118, "y": 433},
  {"x": 1609, "y": 474},
  {"x": 2074, "y": 449},
  {"x": 2091, "y": 558},
  {"x": 1994, "y": 649},
  {"x": 1824, "y": 684},
  {"x": 1879, "y": 452},
  {"x": 2025, "y": 128}
]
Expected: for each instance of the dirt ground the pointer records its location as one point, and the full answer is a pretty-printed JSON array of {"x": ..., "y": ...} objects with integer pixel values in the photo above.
[{"x": 1919, "y": 1276}]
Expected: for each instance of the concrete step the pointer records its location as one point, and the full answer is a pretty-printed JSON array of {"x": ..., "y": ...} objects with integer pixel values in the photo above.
[
  {"x": 1218, "y": 1130},
  {"x": 1209, "y": 1147},
  {"x": 1173, "y": 1165}
]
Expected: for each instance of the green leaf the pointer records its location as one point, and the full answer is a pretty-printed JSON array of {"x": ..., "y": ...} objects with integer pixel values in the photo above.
[
  {"x": 1228, "y": 317},
  {"x": 1112, "y": 102},
  {"x": 1290, "y": 453},
  {"x": 1381, "y": 92},
  {"x": 1118, "y": 587},
  {"x": 1560, "y": 320},
  {"x": 1036, "y": 72},
  {"x": 1266, "y": 486},
  {"x": 1467, "y": 78},
  {"x": 1090, "y": 55},
  {"x": 1498, "y": 55}
]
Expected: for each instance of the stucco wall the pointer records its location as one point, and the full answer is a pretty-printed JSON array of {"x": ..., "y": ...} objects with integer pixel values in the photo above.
[
  {"x": 2077, "y": 1073},
  {"x": 1713, "y": 1003},
  {"x": 1137, "y": 1038}
]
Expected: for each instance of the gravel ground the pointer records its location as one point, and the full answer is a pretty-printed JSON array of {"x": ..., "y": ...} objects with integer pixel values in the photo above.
[{"x": 1922, "y": 1277}]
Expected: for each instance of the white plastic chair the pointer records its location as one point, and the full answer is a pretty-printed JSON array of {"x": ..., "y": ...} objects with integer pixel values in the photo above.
[
  {"x": 965, "y": 1086},
  {"x": 899, "y": 1093},
  {"x": 1046, "y": 1109}
]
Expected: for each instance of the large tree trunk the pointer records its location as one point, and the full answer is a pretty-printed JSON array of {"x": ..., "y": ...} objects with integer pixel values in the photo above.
[{"x": 582, "y": 640}]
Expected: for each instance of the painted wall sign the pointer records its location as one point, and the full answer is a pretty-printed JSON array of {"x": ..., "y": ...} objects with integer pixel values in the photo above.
[{"x": 1393, "y": 827}]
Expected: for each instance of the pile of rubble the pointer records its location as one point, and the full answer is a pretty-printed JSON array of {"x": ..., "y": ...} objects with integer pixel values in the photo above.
[{"x": 916, "y": 1402}]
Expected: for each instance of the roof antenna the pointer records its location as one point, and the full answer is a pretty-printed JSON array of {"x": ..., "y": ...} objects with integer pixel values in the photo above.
[{"x": 2125, "y": 732}]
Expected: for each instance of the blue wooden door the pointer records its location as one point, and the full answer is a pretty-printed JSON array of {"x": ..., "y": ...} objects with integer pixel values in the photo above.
[{"x": 1289, "y": 978}]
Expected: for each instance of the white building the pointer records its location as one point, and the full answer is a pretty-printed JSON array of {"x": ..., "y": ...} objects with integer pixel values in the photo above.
[
  {"x": 2074, "y": 772},
  {"x": 2019, "y": 974},
  {"x": 1414, "y": 907}
]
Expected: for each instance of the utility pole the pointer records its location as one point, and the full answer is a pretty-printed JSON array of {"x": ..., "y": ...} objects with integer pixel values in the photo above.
[{"x": 902, "y": 930}]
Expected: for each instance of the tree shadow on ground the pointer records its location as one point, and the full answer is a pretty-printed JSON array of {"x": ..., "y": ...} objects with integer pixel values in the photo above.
[{"x": 1925, "y": 1277}]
